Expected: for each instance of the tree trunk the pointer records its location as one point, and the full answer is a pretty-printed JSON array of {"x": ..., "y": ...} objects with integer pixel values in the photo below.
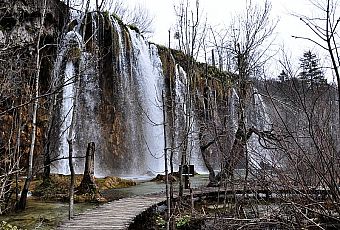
[
  {"x": 212, "y": 176},
  {"x": 22, "y": 203},
  {"x": 47, "y": 156},
  {"x": 47, "y": 164},
  {"x": 17, "y": 156},
  {"x": 88, "y": 184},
  {"x": 168, "y": 216},
  {"x": 47, "y": 150},
  {"x": 237, "y": 152},
  {"x": 72, "y": 182}
]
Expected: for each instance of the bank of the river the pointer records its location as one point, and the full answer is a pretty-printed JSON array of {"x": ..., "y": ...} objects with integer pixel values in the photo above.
[
  {"x": 44, "y": 215},
  {"x": 48, "y": 205}
]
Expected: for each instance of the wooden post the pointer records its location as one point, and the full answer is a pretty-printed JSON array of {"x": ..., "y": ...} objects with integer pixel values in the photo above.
[
  {"x": 213, "y": 58},
  {"x": 192, "y": 201},
  {"x": 166, "y": 168},
  {"x": 72, "y": 179}
]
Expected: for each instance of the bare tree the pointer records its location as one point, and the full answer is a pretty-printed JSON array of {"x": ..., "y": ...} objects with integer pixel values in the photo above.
[
  {"x": 218, "y": 42},
  {"x": 22, "y": 203},
  {"x": 249, "y": 36},
  {"x": 190, "y": 32},
  {"x": 325, "y": 27},
  {"x": 305, "y": 118},
  {"x": 138, "y": 16}
]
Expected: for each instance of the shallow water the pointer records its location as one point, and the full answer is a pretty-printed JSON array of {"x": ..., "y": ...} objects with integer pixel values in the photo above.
[
  {"x": 47, "y": 215},
  {"x": 42, "y": 214},
  {"x": 149, "y": 187}
]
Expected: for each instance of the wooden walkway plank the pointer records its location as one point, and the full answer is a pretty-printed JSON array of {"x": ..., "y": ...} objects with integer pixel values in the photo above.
[
  {"x": 113, "y": 215},
  {"x": 121, "y": 213}
]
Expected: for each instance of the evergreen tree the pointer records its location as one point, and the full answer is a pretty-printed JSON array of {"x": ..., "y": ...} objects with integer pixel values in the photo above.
[
  {"x": 283, "y": 76},
  {"x": 311, "y": 71}
]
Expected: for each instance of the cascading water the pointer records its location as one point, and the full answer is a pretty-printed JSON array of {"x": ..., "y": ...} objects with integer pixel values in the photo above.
[
  {"x": 148, "y": 71},
  {"x": 180, "y": 107},
  {"x": 72, "y": 40},
  {"x": 87, "y": 128},
  {"x": 133, "y": 144},
  {"x": 182, "y": 115},
  {"x": 129, "y": 103},
  {"x": 67, "y": 110},
  {"x": 259, "y": 118},
  {"x": 233, "y": 110},
  {"x": 119, "y": 103}
]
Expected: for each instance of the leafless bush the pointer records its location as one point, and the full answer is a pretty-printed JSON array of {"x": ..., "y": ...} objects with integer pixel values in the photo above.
[{"x": 137, "y": 16}]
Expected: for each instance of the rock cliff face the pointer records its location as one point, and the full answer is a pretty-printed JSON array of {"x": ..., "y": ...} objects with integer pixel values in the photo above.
[
  {"x": 19, "y": 26},
  {"x": 20, "y": 20},
  {"x": 109, "y": 80},
  {"x": 121, "y": 77}
]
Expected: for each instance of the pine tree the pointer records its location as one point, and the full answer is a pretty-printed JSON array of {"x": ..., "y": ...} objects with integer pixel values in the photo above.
[
  {"x": 283, "y": 76},
  {"x": 311, "y": 71}
]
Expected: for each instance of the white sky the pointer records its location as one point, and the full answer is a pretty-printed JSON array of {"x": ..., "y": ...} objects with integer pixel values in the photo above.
[{"x": 220, "y": 12}]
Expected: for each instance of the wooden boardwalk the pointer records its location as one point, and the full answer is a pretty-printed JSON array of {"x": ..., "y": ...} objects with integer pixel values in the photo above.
[
  {"x": 117, "y": 214},
  {"x": 121, "y": 213}
]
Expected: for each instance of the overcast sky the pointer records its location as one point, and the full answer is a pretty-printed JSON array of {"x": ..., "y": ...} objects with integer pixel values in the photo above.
[{"x": 220, "y": 12}]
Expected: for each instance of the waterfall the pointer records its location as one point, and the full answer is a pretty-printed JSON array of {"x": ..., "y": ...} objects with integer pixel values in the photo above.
[
  {"x": 129, "y": 104},
  {"x": 67, "y": 71},
  {"x": 148, "y": 72},
  {"x": 87, "y": 128},
  {"x": 191, "y": 136},
  {"x": 67, "y": 110},
  {"x": 137, "y": 109},
  {"x": 259, "y": 119},
  {"x": 119, "y": 103}
]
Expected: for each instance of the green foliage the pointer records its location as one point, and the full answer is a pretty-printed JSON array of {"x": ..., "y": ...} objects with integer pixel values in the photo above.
[
  {"x": 106, "y": 14},
  {"x": 283, "y": 76},
  {"x": 74, "y": 53},
  {"x": 117, "y": 18},
  {"x": 160, "y": 222},
  {"x": 183, "y": 221},
  {"x": 6, "y": 226},
  {"x": 134, "y": 27}
]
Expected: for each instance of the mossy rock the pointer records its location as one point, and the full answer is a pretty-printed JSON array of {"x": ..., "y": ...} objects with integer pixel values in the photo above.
[
  {"x": 114, "y": 182},
  {"x": 117, "y": 18},
  {"x": 58, "y": 188},
  {"x": 6, "y": 226},
  {"x": 161, "y": 178},
  {"x": 135, "y": 28},
  {"x": 74, "y": 53}
]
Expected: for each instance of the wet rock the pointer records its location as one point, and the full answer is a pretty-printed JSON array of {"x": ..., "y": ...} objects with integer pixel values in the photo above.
[{"x": 161, "y": 178}]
